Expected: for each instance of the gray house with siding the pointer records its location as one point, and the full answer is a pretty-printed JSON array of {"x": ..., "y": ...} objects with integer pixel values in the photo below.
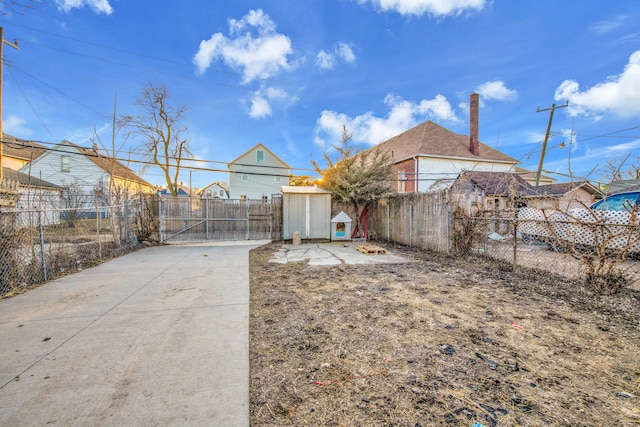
[{"x": 257, "y": 174}]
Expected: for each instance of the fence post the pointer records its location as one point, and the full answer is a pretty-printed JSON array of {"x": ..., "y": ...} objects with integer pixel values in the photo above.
[
  {"x": 142, "y": 218},
  {"x": 206, "y": 215},
  {"x": 42, "y": 258},
  {"x": 126, "y": 220},
  {"x": 388, "y": 219},
  {"x": 515, "y": 245},
  {"x": 410, "y": 222},
  {"x": 247, "y": 203},
  {"x": 447, "y": 225},
  {"x": 160, "y": 236}
]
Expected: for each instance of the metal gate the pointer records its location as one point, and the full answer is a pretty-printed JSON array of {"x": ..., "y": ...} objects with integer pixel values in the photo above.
[{"x": 196, "y": 219}]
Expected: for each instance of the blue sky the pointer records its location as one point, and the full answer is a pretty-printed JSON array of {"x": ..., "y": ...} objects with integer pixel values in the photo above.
[{"x": 290, "y": 74}]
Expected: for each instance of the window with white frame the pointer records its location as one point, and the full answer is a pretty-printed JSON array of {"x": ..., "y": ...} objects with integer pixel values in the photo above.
[
  {"x": 260, "y": 156},
  {"x": 245, "y": 177},
  {"x": 278, "y": 179},
  {"x": 66, "y": 164}
]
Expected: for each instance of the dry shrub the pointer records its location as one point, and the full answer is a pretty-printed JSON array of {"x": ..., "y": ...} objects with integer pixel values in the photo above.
[{"x": 466, "y": 232}]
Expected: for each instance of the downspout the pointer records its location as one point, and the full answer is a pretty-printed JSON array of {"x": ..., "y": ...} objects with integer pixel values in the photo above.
[{"x": 416, "y": 175}]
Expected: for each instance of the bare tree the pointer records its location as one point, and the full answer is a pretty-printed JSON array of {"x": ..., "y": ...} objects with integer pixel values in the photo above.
[
  {"x": 620, "y": 169},
  {"x": 357, "y": 177},
  {"x": 17, "y": 6},
  {"x": 160, "y": 126}
]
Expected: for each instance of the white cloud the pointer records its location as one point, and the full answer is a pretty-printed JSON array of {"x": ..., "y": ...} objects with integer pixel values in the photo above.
[
  {"x": 327, "y": 60},
  {"x": 15, "y": 126},
  {"x": 496, "y": 90},
  {"x": 253, "y": 48},
  {"x": 430, "y": 7},
  {"x": 98, "y": 6},
  {"x": 367, "y": 128},
  {"x": 262, "y": 99},
  {"x": 606, "y": 26},
  {"x": 345, "y": 52},
  {"x": 619, "y": 94}
]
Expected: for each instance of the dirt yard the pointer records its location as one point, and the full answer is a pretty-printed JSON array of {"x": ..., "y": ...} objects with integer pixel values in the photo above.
[{"x": 438, "y": 341}]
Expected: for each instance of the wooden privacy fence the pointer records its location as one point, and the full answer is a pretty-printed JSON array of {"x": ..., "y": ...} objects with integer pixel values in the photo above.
[
  {"x": 189, "y": 219},
  {"x": 413, "y": 219}
]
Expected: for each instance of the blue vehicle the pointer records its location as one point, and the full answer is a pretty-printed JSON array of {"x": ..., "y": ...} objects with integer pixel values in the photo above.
[{"x": 627, "y": 201}]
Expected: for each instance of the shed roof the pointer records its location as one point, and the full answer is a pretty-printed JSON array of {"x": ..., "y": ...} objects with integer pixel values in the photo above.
[{"x": 304, "y": 189}]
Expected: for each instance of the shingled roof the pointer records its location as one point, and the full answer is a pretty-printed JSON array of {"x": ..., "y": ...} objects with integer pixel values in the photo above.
[
  {"x": 496, "y": 183},
  {"x": 21, "y": 148},
  {"x": 26, "y": 180},
  {"x": 560, "y": 189},
  {"x": 110, "y": 165},
  {"x": 429, "y": 139}
]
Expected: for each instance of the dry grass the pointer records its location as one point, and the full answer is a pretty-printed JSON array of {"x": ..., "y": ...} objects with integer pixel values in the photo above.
[{"x": 438, "y": 341}]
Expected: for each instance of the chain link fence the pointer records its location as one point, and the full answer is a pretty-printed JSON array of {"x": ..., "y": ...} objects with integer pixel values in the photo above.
[
  {"x": 604, "y": 254},
  {"x": 37, "y": 245}
]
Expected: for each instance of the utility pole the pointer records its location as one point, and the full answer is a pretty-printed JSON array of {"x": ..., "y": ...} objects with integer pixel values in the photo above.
[
  {"x": 15, "y": 46},
  {"x": 546, "y": 137}
]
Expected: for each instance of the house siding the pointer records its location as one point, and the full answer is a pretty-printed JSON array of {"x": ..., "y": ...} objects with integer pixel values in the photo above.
[
  {"x": 261, "y": 177},
  {"x": 431, "y": 169},
  {"x": 82, "y": 171}
]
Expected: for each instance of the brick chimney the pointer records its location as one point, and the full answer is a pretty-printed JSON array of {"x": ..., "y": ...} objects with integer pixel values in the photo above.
[{"x": 474, "y": 145}]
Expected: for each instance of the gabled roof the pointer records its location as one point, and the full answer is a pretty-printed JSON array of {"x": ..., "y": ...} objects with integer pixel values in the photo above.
[
  {"x": 429, "y": 139},
  {"x": 560, "y": 189},
  {"x": 222, "y": 185},
  {"x": 21, "y": 148},
  {"x": 182, "y": 191},
  {"x": 496, "y": 183},
  {"x": 108, "y": 164},
  {"x": 27, "y": 181},
  {"x": 531, "y": 175},
  {"x": 624, "y": 185},
  {"x": 262, "y": 146}
]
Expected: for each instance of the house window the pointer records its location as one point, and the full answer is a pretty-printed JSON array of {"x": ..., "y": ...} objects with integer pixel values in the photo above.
[
  {"x": 278, "y": 179},
  {"x": 66, "y": 164},
  {"x": 245, "y": 177},
  {"x": 260, "y": 156},
  {"x": 221, "y": 193},
  {"x": 402, "y": 180}
]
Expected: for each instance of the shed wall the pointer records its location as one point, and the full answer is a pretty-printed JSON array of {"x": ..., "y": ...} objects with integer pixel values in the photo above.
[{"x": 310, "y": 214}]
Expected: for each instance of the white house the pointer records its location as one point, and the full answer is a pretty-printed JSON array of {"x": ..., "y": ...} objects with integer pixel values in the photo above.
[
  {"x": 67, "y": 164},
  {"x": 429, "y": 153},
  {"x": 215, "y": 190},
  {"x": 40, "y": 199},
  {"x": 257, "y": 174}
]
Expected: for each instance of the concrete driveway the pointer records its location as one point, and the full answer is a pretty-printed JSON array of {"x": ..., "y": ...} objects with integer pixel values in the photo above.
[{"x": 157, "y": 337}]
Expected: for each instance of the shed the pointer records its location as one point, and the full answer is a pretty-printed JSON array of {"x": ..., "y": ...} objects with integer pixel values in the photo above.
[
  {"x": 341, "y": 227},
  {"x": 306, "y": 209}
]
